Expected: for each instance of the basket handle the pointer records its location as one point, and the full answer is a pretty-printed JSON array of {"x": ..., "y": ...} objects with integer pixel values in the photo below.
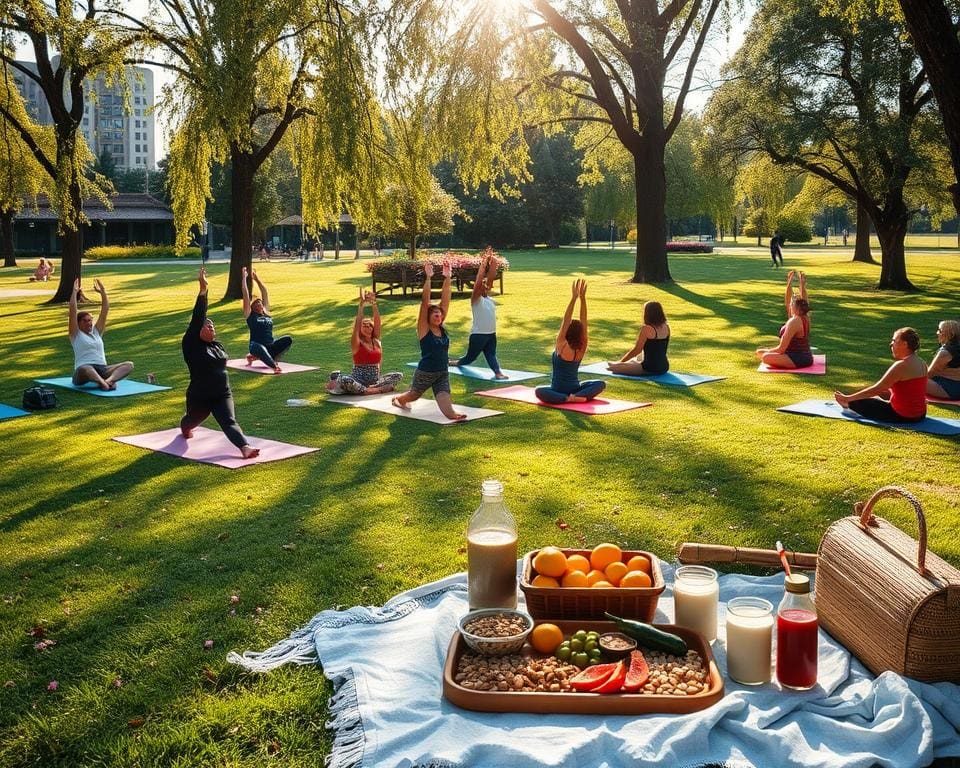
[{"x": 865, "y": 510}]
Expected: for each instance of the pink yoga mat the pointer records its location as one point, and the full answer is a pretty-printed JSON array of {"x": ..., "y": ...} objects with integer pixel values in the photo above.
[
  {"x": 594, "y": 407},
  {"x": 818, "y": 368},
  {"x": 212, "y": 447},
  {"x": 942, "y": 401},
  {"x": 259, "y": 367}
]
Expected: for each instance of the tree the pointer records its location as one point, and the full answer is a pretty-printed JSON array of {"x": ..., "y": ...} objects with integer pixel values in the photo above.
[
  {"x": 88, "y": 47},
  {"x": 552, "y": 198},
  {"x": 848, "y": 104},
  {"x": 105, "y": 165},
  {"x": 248, "y": 73},
  {"x": 412, "y": 216},
  {"x": 764, "y": 187},
  {"x": 153, "y": 182}
]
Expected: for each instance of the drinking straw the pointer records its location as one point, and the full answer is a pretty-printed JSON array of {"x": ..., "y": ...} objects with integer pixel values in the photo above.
[{"x": 783, "y": 558}]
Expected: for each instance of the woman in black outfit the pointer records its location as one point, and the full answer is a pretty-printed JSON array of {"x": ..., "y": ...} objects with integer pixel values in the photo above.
[
  {"x": 209, "y": 389},
  {"x": 648, "y": 357}
]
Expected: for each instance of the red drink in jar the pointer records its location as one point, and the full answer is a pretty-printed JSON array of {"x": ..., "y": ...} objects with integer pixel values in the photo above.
[{"x": 797, "y": 642}]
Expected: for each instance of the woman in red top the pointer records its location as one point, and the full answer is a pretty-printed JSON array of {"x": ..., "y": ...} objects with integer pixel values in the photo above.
[
  {"x": 365, "y": 378},
  {"x": 905, "y": 381},
  {"x": 793, "y": 351}
]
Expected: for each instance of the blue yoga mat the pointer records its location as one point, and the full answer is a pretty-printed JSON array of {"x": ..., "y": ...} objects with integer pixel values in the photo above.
[
  {"x": 832, "y": 410},
  {"x": 9, "y": 412},
  {"x": 485, "y": 374},
  {"x": 670, "y": 378},
  {"x": 124, "y": 387}
]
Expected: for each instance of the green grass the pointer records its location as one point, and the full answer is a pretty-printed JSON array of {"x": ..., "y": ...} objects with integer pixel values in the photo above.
[{"x": 128, "y": 559}]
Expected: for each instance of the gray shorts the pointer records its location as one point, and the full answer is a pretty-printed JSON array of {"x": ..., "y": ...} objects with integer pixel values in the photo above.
[
  {"x": 102, "y": 371},
  {"x": 424, "y": 380}
]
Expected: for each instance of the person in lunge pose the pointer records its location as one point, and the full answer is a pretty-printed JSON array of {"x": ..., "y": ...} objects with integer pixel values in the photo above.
[
  {"x": 901, "y": 395},
  {"x": 568, "y": 352},
  {"x": 434, "y": 349},
  {"x": 483, "y": 334},
  {"x": 648, "y": 357},
  {"x": 209, "y": 388},
  {"x": 86, "y": 338},
  {"x": 365, "y": 378},
  {"x": 263, "y": 346},
  {"x": 943, "y": 376},
  {"x": 793, "y": 351}
]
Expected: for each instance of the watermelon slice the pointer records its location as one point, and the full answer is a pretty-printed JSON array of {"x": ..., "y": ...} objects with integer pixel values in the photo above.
[
  {"x": 615, "y": 682},
  {"x": 591, "y": 677},
  {"x": 637, "y": 674}
]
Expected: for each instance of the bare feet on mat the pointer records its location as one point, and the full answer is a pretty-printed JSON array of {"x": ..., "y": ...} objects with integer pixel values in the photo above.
[
  {"x": 395, "y": 402},
  {"x": 250, "y": 359},
  {"x": 576, "y": 399},
  {"x": 187, "y": 433},
  {"x": 277, "y": 369},
  {"x": 457, "y": 417},
  {"x": 250, "y": 452},
  {"x": 455, "y": 363},
  {"x": 500, "y": 375}
]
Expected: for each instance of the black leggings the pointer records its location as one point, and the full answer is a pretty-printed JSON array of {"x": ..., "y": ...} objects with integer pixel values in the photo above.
[
  {"x": 878, "y": 409},
  {"x": 198, "y": 408}
]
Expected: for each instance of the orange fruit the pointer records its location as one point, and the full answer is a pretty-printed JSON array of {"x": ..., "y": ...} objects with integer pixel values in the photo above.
[
  {"x": 615, "y": 572},
  {"x": 594, "y": 576},
  {"x": 550, "y": 561},
  {"x": 546, "y": 638},
  {"x": 544, "y": 581},
  {"x": 636, "y": 579},
  {"x": 639, "y": 563},
  {"x": 577, "y": 563},
  {"x": 604, "y": 554},
  {"x": 575, "y": 579},
  {"x": 602, "y": 585}
]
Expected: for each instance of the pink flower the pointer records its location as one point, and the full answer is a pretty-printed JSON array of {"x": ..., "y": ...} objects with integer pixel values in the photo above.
[
  {"x": 53, "y": 685},
  {"x": 207, "y": 645}
]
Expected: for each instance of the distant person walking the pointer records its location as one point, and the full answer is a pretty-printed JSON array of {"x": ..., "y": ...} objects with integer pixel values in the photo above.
[{"x": 776, "y": 252}]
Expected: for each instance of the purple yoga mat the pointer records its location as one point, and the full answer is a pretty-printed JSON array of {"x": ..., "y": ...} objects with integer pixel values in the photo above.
[
  {"x": 818, "y": 368},
  {"x": 212, "y": 447},
  {"x": 259, "y": 367},
  {"x": 594, "y": 407}
]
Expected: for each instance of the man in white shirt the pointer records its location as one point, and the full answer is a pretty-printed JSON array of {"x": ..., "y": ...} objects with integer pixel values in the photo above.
[
  {"x": 483, "y": 334},
  {"x": 86, "y": 338}
]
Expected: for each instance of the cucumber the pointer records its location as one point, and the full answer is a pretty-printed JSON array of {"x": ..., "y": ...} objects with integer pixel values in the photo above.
[{"x": 650, "y": 637}]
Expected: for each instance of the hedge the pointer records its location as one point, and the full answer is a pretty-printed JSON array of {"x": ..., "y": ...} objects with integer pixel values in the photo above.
[
  {"x": 464, "y": 265},
  {"x": 689, "y": 246},
  {"x": 111, "y": 252}
]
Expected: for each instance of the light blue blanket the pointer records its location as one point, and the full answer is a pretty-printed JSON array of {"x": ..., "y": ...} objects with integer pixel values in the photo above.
[{"x": 388, "y": 709}]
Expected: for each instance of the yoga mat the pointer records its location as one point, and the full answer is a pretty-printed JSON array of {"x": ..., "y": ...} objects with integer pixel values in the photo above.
[
  {"x": 832, "y": 410},
  {"x": 591, "y": 407},
  {"x": 423, "y": 409},
  {"x": 211, "y": 446},
  {"x": 942, "y": 401},
  {"x": 260, "y": 367},
  {"x": 485, "y": 374},
  {"x": 818, "y": 368},
  {"x": 124, "y": 387},
  {"x": 9, "y": 412},
  {"x": 669, "y": 378}
]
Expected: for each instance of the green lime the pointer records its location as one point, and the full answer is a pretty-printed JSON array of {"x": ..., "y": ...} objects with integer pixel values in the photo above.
[
  {"x": 592, "y": 662},
  {"x": 594, "y": 654},
  {"x": 580, "y": 659},
  {"x": 593, "y": 635},
  {"x": 580, "y": 634},
  {"x": 565, "y": 644},
  {"x": 590, "y": 645},
  {"x": 576, "y": 644},
  {"x": 564, "y": 654}
]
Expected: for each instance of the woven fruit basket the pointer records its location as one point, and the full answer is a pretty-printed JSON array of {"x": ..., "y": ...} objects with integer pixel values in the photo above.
[{"x": 591, "y": 602}]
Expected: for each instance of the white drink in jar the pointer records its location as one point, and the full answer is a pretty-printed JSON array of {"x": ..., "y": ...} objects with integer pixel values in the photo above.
[
  {"x": 749, "y": 640},
  {"x": 695, "y": 599}
]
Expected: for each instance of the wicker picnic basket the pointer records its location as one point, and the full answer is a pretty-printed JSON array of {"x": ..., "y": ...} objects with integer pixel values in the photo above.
[
  {"x": 588, "y": 603},
  {"x": 892, "y": 603}
]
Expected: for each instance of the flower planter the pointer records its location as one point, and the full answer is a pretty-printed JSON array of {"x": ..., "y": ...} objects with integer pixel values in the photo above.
[{"x": 406, "y": 274}]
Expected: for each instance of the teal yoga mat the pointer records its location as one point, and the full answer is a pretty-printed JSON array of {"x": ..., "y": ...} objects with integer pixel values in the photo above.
[
  {"x": 124, "y": 387},
  {"x": 485, "y": 374},
  {"x": 9, "y": 412},
  {"x": 829, "y": 409},
  {"x": 670, "y": 378}
]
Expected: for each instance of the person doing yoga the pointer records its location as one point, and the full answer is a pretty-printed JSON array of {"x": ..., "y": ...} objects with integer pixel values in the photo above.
[
  {"x": 263, "y": 346},
  {"x": 483, "y": 333},
  {"x": 434, "y": 349},
  {"x": 570, "y": 347},
  {"x": 209, "y": 388},
  {"x": 648, "y": 357},
  {"x": 793, "y": 351},
  {"x": 86, "y": 338},
  {"x": 905, "y": 381},
  {"x": 943, "y": 375},
  {"x": 365, "y": 378}
]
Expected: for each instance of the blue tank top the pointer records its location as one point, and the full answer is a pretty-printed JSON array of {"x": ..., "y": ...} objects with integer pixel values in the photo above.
[
  {"x": 434, "y": 351},
  {"x": 261, "y": 328},
  {"x": 565, "y": 377}
]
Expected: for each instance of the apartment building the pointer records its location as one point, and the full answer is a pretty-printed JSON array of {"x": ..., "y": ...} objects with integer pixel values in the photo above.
[{"x": 125, "y": 129}]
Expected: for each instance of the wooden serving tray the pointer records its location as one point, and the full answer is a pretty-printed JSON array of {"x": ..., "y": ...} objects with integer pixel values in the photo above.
[{"x": 575, "y": 703}]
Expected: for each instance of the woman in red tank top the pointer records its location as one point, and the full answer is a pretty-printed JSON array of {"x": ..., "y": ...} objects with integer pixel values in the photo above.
[
  {"x": 793, "y": 351},
  {"x": 365, "y": 378},
  {"x": 901, "y": 395}
]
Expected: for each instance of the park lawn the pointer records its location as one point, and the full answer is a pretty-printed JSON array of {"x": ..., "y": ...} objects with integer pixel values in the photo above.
[{"x": 129, "y": 559}]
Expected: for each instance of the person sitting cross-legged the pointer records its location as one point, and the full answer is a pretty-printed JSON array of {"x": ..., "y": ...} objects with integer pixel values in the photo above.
[
  {"x": 365, "y": 378},
  {"x": 86, "y": 338}
]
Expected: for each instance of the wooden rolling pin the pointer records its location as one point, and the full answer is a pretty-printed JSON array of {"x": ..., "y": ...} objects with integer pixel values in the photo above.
[{"x": 691, "y": 552}]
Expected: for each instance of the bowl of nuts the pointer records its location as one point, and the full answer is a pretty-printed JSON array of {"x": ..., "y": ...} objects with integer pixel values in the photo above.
[{"x": 495, "y": 631}]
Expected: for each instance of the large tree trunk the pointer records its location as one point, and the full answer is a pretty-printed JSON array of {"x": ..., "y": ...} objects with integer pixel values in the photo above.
[
  {"x": 72, "y": 243},
  {"x": 891, "y": 231},
  {"x": 861, "y": 246},
  {"x": 241, "y": 189},
  {"x": 935, "y": 37},
  {"x": 650, "y": 180},
  {"x": 6, "y": 237}
]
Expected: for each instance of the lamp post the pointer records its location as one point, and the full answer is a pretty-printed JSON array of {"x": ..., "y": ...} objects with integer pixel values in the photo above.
[{"x": 613, "y": 231}]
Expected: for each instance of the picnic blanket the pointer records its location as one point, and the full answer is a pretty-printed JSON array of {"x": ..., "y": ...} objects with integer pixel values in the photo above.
[
  {"x": 387, "y": 710},
  {"x": 669, "y": 378}
]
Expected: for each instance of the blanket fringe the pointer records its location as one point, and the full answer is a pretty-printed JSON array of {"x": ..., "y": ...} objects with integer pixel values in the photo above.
[
  {"x": 345, "y": 722},
  {"x": 299, "y": 648}
]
